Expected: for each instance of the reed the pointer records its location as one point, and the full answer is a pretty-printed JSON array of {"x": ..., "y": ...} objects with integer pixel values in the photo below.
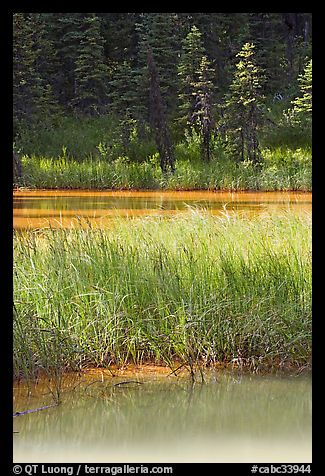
[
  {"x": 192, "y": 289},
  {"x": 282, "y": 169}
]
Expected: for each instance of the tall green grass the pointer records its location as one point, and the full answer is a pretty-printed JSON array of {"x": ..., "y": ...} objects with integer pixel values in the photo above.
[
  {"x": 283, "y": 169},
  {"x": 194, "y": 289}
]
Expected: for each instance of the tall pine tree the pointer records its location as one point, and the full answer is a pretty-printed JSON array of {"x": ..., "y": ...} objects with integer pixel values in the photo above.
[
  {"x": 202, "y": 118},
  {"x": 91, "y": 73},
  {"x": 242, "y": 107},
  {"x": 158, "y": 118},
  {"x": 67, "y": 35},
  {"x": 196, "y": 89},
  {"x": 26, "y": 82},
  {"x": 302, "y": 105},
  {"x": 33, "y": 97},
  {"x": 159, "y": 32},
  {"x": 189, "y": 72}
]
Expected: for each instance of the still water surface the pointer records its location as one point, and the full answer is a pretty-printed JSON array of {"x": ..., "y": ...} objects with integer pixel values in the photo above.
[
  {"x": 230, "y": 418},
  {"x": 73, "y": 208}
]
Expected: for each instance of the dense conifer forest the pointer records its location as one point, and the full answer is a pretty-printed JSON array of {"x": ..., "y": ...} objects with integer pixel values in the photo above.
[{"x": 169, "y": 93}]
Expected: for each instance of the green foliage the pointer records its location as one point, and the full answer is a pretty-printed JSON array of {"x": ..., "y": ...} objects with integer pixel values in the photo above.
[
  {"x": 158, "y": 119},
  {"x": 91, "y": 71},
  {"x": 242, "y": 107},
  {"x": 282, "y": 169},
  {"x": 80, "y": 138},
  {"x": 189, "y": 72},
  {"x": 33, "y": 95},
  {"x": 159, "y": 32},
  {"x": 65, "y": 56},
  {"x": 72, "y": 67},
  {"x": 123, "y": 90},
  {"x": 149, "y": 289},
  {"x": 196, "y": 89},
  {"x": 290, "y": 123},
  {"x": 67, "y": 35},
  {"x": 302, "y": 105}
]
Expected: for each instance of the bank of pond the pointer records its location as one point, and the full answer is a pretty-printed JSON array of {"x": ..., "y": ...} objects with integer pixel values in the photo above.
[{"x": 281, "y": 169}]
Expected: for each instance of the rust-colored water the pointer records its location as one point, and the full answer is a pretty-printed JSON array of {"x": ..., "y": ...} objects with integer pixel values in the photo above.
[{"x": 67, "y": 208}]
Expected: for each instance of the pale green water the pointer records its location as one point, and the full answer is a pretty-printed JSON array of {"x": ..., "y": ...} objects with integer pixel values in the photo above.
[{"x": 230, "y": 418}]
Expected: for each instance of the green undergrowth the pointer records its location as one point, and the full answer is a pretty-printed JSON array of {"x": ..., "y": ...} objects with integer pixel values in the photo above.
[{"x": 282, "y": 169}]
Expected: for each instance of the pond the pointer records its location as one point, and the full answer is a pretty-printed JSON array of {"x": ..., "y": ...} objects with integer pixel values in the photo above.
[
  {"x": 34, "y": 209},
  {"x": 157, "y": 417}
]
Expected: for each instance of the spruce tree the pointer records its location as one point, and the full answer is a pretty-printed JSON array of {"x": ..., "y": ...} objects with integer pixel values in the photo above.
[
  {"x": 67, "y": 35},
  {"x": 123, "y": 100},
  {"x": 46, "y": 67},
  {"x": 119, "y": 33},
  {"x": 158, "y": 119},
  {"x": 91, "y": 71},
  {"x": 25, "y": 78},
  {"x": 122, "y": 89},
  {"x": 266, "y": 29},
  {"x": 242, "y": 107},
  {"x": 197, "y": 89},
  {"x": 189, "y": 72},
  {"x": 163, "y": 40},
  {"x": 302, "y": 105},
  {"x": 157, "y": 31},
  {"x": 33, "y": 98},
  {"x": 202, "y": 118}
]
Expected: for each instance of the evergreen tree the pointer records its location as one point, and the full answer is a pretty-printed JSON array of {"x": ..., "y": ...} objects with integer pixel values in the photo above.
[
  {"x": 189, "y": 72},
  {"x": 202, "y": 119},
  {"x": 265, "y": 30},
  {"x": 25, "y": 79},
  {"x": 242, "y": 107},
  {"x": 297, "y": 27},
  {"x": 120, "y": 38},
  {"x": 45, "y": 66},
  {"x": 232, "y": 32},
  {"x": 197, "y": 88},
  {"x": 164, "y": 42},
  {"x": 157, "y": 31},
  {"x": 67, "y": 35},
  {"x": 302, "y": 105},
  {"x": 91, "y": 72},
  {"x": 17, "y": 169},
  {"x": 122, "y": 85},
  {"x": 158, "y": 118},
  {"x": 123, "y": 100},
  {"x": 33, "y": 97},
  {"x": 90, "y": 62}
]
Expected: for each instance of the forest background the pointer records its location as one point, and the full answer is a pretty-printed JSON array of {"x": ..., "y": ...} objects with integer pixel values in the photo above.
[{"x": 152, "y": 100}]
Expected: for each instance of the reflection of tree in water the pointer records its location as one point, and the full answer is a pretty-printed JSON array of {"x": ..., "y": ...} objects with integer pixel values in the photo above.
[{"x": 157, "y": 202}]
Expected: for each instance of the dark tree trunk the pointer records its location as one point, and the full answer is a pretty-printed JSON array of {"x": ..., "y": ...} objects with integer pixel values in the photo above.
[
  {"x": 158, "y": 119},
  {"x": 17, "y": 169},
  {"x": 242, "y": 144},
  {"x": 204, "y": 117},
  {"x": 206, "y": 146},
  {"x": 207, "y": 124},
  {"x": 252, "y": 141},
  {"x": 290, "y": 20}
]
